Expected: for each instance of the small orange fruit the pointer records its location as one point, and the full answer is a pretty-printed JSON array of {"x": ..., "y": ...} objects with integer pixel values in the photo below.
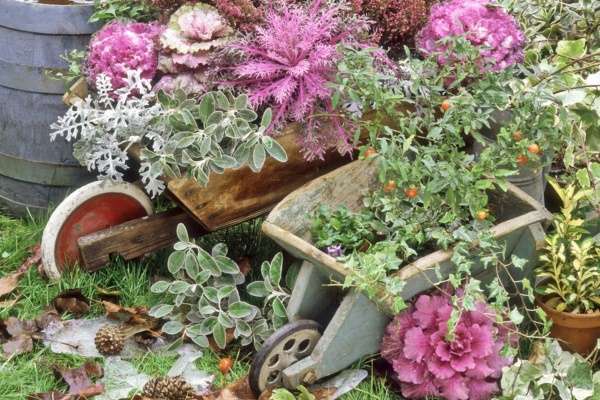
[
  {"x": 411, "y": 192},
  {"x": 517, "y": 135},
  {"x": 390, "y": 186},
  {"x": 533, "y": 148},
  {"x": 482, "y": 215},
  {"x": 225, "y": 365},
  {"x": 522, "y": 160},
  {"x": 370, "y": 152},
  {"x": 445, "y": 105}
]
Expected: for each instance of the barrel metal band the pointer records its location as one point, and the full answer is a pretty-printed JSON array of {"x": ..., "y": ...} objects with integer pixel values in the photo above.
[{"x": 43, "y": 173}]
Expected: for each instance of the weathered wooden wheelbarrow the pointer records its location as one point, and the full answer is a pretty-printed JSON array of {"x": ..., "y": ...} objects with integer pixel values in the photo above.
[
  {"x": 104, "y": 218},
  {"x": 332, "y": 328}
]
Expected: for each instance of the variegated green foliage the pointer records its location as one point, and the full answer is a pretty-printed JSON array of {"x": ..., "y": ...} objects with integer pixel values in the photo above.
[
  {"x": 206, "y": 298},
  {"x": 570, "y": 264},
  {"x": 272, "y": 289}
]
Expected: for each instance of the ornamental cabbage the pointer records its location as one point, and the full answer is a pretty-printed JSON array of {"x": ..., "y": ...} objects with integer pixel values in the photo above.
[
  {"x": 483, "y": 23},
  {"x": 194, "y": 33},
  {"x": 428, "y": 364},
  {"x": 120, "y": 47},
  {"x": 289, "y": 63}
]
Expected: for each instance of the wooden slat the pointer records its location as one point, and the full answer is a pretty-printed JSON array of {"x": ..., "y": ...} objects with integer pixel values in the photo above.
[{"x": 134, "y": 238}]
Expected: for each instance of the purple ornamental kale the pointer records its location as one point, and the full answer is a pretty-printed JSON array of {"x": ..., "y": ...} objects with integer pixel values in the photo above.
[
  {"x": 288, "y": 63},
  {"x": 483, "y": 23},
  {"x": 428, "y": 364},
  {"x": 123, "y": 46}
]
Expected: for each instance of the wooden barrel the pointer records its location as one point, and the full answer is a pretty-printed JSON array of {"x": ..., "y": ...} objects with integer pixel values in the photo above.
[{"x": 34, "y": 172}]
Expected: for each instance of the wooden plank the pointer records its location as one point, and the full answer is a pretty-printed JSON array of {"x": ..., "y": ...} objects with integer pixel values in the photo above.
[
  {"x": 239, "y": 195},
  {"x": 135, "y": 238}
]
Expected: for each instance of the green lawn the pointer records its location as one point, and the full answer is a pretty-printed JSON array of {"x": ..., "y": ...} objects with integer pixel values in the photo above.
[{"x": 30, "y": 373}]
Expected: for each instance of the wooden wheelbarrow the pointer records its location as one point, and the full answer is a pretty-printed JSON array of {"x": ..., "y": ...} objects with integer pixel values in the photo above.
[
  {"x": 332, "y": 328},
  {"x": 104, "y": 218}
]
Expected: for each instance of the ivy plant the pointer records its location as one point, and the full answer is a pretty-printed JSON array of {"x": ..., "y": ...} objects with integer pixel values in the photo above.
[{"x": 206, "y": 297}]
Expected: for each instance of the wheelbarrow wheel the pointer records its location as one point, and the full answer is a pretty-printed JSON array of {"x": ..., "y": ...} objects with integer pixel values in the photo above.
[
  {"x": 91, "y": 208},
  {"x": 289, "y": 344}
]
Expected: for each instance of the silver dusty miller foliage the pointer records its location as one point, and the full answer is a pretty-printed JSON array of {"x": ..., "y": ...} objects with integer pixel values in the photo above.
[{"x": 176, "y": 133}]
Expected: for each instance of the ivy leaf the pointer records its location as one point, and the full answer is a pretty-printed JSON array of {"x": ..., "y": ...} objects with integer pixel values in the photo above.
[{"x": 515, "y": 316}]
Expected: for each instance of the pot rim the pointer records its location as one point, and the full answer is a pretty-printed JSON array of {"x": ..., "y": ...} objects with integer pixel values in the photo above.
[{"x": 567, "y": 319}]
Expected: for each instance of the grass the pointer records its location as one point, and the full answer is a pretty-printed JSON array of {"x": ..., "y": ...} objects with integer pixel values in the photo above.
[{"x": 32, "y": 372}]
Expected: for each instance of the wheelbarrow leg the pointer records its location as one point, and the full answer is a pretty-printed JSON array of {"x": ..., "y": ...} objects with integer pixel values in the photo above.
[
  {"x": 312, "y": 296},
  {"x": 354, "y": 331}
]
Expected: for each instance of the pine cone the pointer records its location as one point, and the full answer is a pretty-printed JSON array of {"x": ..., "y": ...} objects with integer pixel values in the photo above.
[
  {"x": 109, "y": 340},
  {"x": 168, "y": 388}
]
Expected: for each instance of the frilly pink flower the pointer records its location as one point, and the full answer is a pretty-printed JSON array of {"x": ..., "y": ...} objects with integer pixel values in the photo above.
[
  {"x": 427, "y": 364},
  {"x": 122, "y": 46},
  {"x": 484, "y": 23}
]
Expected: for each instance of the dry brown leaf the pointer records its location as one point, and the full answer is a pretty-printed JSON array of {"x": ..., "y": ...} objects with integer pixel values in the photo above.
[
  {"x": 79, "y": 381},
  {"x": 125, "y": 314},
  {"x": 8, "y": 303},
  {"x": 238, "y": 390},
  {"x": 18, "y": 335},
  {"x": 10, "y": 282},
  {"x": 72, "y": 301}
]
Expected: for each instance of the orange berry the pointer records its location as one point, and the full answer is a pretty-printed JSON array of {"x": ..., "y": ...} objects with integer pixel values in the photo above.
[
  {"x": 411, "y": 192},
  {"x": 370, "y": 152},
  {"x": 225, "y": 365},
  {"x": 482, "y": 215},
  {"x": 522, "y": 160},
  {"x": 517, "y": 135},
  {"x": 390, "y": 186},
  {"x": 445, "y": 105},
  {"x": 533, "y": 148}
]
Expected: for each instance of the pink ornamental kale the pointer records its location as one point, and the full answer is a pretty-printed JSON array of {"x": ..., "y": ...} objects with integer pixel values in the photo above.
[
  {"x": 427, "y": 364},
  {"x": 122, "y": 46},
  {"x": 483, "y": 23},
  {"x": 288, "y": 63}
]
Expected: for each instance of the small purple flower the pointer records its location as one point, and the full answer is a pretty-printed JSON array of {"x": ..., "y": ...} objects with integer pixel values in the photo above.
[{"x": 335, "y": 250}]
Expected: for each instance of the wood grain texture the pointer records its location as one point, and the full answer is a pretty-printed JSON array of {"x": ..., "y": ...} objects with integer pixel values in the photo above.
[
  {"x": 238, "y": 195},
  {"x": 135, "y": 238}
]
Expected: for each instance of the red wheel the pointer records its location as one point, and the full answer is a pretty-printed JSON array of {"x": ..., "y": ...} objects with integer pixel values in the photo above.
[{"x": 91, "y": 208}]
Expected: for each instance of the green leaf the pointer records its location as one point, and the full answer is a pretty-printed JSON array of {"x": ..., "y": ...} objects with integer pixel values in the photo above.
[
  {"x": 515, "y": 316},
  {"x": 182, "y": 233},
  {"x": 211, "y": 294},
  {"x": 282, "y": 394},
  {"x": 241, "y": 102},
  {"x": 240, "y": 309},
  {"x": 160, "y": 310},
  {"x": 258, "y": 156},
  {"x": 583, "y": 178},
  {"x": 279, "y": 308},
  {"x": 160, "y": 287},
  {"x": 207, "y": 262},
  {"x": 225, "y": 291},
  {"x": 266, "y": 118},
  {"x": 227, "y": 265},
  {"x": 178, "y": 287},
  {"x": 219, "y": 249},
  {"x": 274, "y": 149},
  {"x": 175, "y": 261},
  {"x": 172, "y": 327},
  {"x": 257, "y": 289},
  {"x": 571, "y": 48},
  {"x": 200, "y": 340},
  {"x": 191, "y": 265},
  {"x": 276, "y": 269},
  {"x": 219, "y": 335}
]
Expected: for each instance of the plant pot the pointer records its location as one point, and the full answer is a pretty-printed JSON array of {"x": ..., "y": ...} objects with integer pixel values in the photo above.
[
  {"x": 576, "y": 332},
  {"x": 530, "y": 180}
]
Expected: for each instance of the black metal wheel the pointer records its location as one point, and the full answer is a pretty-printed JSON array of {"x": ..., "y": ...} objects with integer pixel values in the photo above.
[{"x": 287, "y": 345}]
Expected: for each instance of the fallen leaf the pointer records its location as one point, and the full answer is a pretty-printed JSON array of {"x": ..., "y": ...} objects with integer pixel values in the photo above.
[
  {"x": 238, "y": 390},
  {"x": 79, "y": 381},
  {"x": 71, "y": 301},
  {"x": 120, "y": 379},
  {"x": 10, "y": 282},
  {"x": 8, "y": 303},
  {"x": 18, "y": 345},
  {"x": 125, "y": 314},
  {"x": 77, "y": 336},
  {"x": 109, "y": 295},
  {"x": 18, "y": 335},
  {"x": 244, "y": 265}
]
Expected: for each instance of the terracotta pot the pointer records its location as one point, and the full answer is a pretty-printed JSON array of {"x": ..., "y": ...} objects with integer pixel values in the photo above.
[{"x": 576, "y": 332}]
